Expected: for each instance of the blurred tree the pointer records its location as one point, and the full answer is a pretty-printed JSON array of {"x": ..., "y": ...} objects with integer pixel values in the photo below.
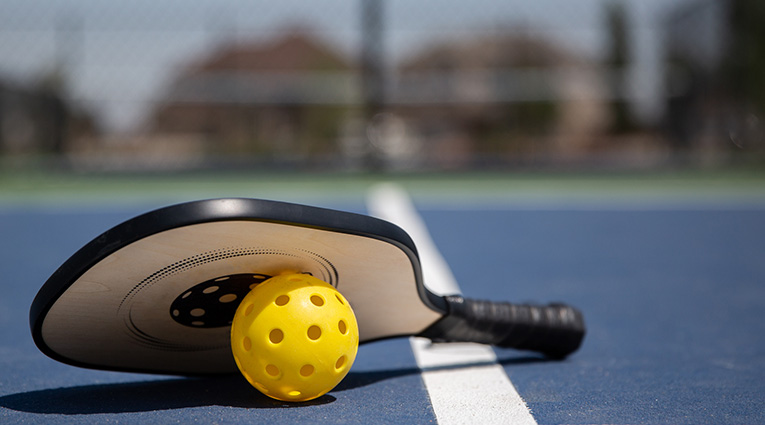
[
  {"x": 53, "y": 111},
  {"x": 617, "y": 60},
  {"x": 743, "y": 69},
  {"x": 744, "y": 64}
]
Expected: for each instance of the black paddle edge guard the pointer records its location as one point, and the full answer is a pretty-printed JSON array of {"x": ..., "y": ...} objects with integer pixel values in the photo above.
[{"x": 555, "y": 330}]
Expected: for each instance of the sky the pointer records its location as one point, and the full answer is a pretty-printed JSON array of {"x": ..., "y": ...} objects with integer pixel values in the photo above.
[{"x": 120, "y": 56}]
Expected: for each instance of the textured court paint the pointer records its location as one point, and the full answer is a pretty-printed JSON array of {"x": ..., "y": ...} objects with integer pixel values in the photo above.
[
  {"x": 464, "y": 381},
  {"x": 673, "y": 300}
]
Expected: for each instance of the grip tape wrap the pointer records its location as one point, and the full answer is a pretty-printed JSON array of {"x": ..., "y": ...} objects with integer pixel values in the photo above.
[{"x": 555, "y": 330}]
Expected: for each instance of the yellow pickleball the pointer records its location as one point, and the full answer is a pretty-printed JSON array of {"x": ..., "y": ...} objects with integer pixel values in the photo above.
[{"x": 294, "y": 337}]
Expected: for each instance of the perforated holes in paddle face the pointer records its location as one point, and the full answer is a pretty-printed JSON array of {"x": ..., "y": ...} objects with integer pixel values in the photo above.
[{"x": 212, "y": 304}]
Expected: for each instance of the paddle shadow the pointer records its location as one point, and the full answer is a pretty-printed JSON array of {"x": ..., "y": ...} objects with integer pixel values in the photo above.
[
  {"x": 361, "y": 379},
  {"x": 227, "y": 391}
]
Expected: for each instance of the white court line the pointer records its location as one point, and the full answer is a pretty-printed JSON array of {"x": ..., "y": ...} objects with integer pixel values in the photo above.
[{"x": 464, "y": 381}]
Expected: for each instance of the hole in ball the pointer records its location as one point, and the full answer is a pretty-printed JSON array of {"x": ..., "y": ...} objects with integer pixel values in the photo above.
[
  {"x": 197, "y": 312},
  {"x": 210, "y": 290},
  {"x": 306, "y": 370},
  {"x": 276, "y": 336},
  {"x": 176, "y": 313},
  {"x": 272, "y": 370},
  {"x": 248, "y": 309},
  {"x": 282, "y": 300},
  {"x": 293, "y": 393},
  {"x": 340, "y": 362},
  {"x": 317, "y": 300},
  {"x": 314, "y": 332},
  {"x": 342, "y": 327},
  {"x": 246, "y": 344},
  {"x": 339, "y": 298}
]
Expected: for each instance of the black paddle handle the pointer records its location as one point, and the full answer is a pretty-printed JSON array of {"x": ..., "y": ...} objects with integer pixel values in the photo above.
[{"x": 555, "y": 330}]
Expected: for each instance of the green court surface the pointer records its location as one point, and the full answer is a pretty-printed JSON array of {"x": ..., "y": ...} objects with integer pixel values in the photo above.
[{"x": 454, "y": 189}]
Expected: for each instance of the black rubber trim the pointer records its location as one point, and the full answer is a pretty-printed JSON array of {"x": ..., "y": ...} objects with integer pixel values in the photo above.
[{"x": 214, "y": 210}]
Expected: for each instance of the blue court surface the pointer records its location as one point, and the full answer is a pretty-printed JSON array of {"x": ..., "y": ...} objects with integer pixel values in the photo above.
[{"x": 672, "y": 289}]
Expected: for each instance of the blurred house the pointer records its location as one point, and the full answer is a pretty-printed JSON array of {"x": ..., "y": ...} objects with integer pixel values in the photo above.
[
  {"x": 507, "y": 96},
  {"x": 279, "y": 98},
  {"x": 496, "y": 98},
  {"x": 715, "y": 76}
]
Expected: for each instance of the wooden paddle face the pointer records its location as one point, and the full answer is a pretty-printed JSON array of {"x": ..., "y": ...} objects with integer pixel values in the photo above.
[{"x": 163, "y": 303}]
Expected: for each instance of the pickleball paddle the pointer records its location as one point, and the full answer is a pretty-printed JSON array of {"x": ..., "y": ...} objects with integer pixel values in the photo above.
[{"x": 157, "y": 293}]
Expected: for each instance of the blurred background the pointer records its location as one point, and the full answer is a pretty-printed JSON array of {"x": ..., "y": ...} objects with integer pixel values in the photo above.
[{"x": 386, "y": 86}]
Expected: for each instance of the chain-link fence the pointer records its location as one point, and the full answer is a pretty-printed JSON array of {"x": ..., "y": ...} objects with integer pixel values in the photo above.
[{"x": 382, "y": 84}]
